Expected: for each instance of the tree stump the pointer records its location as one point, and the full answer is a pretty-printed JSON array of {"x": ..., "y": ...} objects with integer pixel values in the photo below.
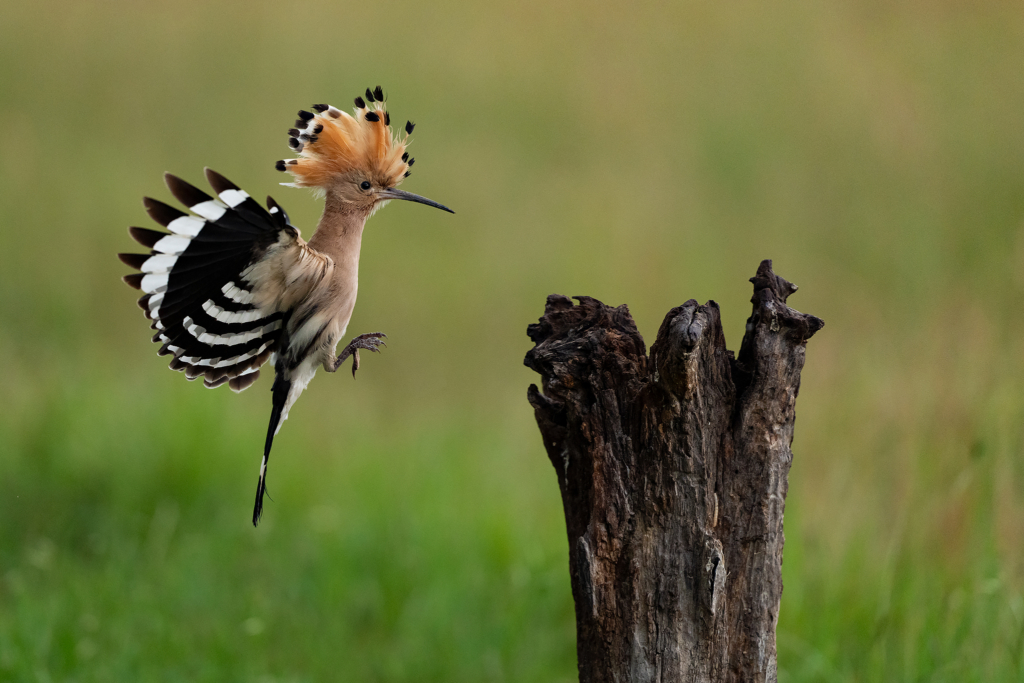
[{"x": 673, "y": 471}]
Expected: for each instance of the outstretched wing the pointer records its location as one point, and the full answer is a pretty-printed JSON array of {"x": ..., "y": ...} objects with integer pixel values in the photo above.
[{"x": 213, "y": 286}]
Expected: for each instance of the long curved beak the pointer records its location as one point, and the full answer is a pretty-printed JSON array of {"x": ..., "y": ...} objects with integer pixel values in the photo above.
[{"x": 410, "y": 197}]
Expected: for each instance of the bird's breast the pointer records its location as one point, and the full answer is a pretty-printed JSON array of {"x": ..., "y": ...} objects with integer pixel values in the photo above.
[{"x": 319, "y": 321}]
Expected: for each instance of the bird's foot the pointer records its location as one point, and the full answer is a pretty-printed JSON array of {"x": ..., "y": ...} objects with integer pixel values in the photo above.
[{"x": 369, "y": 342}]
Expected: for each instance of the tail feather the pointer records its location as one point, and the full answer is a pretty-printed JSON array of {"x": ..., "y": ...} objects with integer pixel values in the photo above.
[{"x": 280, "y": 397}]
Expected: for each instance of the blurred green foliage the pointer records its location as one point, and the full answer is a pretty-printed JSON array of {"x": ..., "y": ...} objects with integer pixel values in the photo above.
[{"x": 641, "y": 153}]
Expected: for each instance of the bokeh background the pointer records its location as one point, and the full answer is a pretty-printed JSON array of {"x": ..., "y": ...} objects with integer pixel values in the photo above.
[{"x": 640, "y": 153}]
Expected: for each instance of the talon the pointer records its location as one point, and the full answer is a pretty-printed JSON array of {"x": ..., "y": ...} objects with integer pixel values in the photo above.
[{"x": 368, "y": 342}]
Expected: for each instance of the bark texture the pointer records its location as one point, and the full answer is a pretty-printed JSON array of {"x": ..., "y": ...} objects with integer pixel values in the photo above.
[{"x": 673, "y": 472}]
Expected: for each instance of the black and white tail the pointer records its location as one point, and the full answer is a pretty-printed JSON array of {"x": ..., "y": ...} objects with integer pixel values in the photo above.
[{"x": 282, "y": 386}]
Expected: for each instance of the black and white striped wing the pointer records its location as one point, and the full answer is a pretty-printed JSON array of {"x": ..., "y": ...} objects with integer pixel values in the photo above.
[{"x": 194, "y": 279}]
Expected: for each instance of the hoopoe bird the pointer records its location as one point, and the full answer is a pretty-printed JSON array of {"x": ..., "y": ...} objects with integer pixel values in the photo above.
[{"x": 233, "y": 285}]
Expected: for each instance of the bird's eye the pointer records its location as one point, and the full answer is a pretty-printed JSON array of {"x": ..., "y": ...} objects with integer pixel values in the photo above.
[{"x": 365, "y": 185}]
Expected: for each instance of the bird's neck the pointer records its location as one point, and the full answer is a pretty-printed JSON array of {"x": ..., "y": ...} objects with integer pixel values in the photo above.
[{"x": 339, "y": 233}]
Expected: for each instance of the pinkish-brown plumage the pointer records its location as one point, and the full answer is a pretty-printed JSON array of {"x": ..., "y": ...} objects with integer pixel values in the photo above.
[{"x": 235, "y": 285}]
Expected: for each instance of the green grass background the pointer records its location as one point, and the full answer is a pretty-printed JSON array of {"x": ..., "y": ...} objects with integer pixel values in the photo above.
[{"x": 641, "y": 153}]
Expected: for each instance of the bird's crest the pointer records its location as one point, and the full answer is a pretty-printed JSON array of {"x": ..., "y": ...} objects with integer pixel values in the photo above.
[{"x": 331, "y": 142}]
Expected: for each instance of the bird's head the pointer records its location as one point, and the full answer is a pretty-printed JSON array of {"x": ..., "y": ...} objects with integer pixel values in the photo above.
[{"x": 353, "y": 158}]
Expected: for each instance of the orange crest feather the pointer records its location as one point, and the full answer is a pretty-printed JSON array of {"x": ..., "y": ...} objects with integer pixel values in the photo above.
[{"x": 331, "y": 142}]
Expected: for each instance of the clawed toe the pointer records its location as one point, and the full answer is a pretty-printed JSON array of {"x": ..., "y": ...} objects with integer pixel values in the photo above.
[{"x": 371, "y": 341}]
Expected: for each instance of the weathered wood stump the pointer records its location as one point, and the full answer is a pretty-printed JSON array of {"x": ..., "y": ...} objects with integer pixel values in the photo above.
[{"x": 673, "y": 471}]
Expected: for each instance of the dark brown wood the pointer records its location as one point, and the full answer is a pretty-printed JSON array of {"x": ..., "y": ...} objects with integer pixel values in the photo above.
[{"x": 673, "y": 471}]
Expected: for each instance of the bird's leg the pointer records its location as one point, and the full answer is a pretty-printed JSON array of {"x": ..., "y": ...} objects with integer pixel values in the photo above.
[{"x": 371, "y": 342}]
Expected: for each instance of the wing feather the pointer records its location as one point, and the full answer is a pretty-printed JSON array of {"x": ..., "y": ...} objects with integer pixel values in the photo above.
[{"x": 204, "y": 293}]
